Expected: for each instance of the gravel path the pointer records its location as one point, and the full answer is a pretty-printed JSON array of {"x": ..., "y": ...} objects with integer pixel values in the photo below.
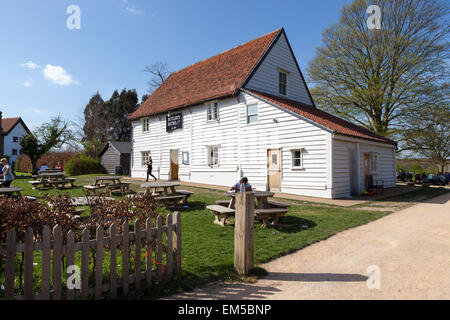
[{"x": 411, "y": 248}]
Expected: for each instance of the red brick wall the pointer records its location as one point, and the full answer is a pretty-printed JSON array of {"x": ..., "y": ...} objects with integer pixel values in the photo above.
[{"x": 50, "y": 159}]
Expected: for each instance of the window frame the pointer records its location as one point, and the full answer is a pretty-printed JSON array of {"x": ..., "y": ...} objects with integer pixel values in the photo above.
[
  {"x": 185, "y": 161},
  {"x": 144, "y": 159},
  {"x": 145, "y": 122},
  {"x": 15, "y": 139},
  {"x": 209, "y": 111},
  {"x": 301, "y": 158},
  {"x": 208, "y": 154},
  {"x": 15, "y": 152},
  {"x": 253, "y": 114},
  {"x": 373, "y": 158},
  {"x": 281, "y": 84}
]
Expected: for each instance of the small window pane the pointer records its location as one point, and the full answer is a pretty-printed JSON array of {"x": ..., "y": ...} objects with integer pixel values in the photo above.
[
  {"x": 252, "y": 109},
  {"x": 274, "y": 159},
  {"x": 253, "y": 119}
]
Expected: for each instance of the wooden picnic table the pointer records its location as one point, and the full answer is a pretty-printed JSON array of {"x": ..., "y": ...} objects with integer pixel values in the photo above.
[
  {"x": 166, "y": 185},
  {"x": 85, "y": 201},
  {"x": 270, "y": 212},
  {"x": 100, "y": 180},
  {"x": 109, "y": 183},
  {"x": 11, "y": 191},
  {"x": 167, "y": 198},
  {"x": 261, "y": 198},
  {"x": 52, "y": 179}
]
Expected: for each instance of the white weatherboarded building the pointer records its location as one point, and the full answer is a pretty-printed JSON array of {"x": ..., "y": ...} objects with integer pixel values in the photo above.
[{"x": 248, "y": 112}]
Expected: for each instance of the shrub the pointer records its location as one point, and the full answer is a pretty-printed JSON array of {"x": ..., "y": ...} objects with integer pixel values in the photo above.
[
  {"x": 83, "y": 165},
  {"x": 416, "y": 168}
]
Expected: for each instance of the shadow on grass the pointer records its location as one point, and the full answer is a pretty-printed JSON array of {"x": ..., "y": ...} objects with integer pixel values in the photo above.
[{"x": 292, "y": 224}]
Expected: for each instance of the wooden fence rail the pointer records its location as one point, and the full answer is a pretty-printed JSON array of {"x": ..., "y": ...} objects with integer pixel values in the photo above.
[{"x": 163, "y": 240}]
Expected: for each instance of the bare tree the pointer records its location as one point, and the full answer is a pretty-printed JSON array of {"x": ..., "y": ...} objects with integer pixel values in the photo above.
[{"x": 159, "y": 72}]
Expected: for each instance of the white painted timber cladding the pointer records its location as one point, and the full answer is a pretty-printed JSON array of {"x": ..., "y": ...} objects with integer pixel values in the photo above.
[
  {"x": 265, "y": 79},
  {"x": 9, "y": 144},
  {"x": 239, "y": 144},
  {"x": 341, "y": 165}
]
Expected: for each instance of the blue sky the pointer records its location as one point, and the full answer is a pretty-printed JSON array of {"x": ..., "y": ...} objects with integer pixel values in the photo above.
[{"x": 47, "y": 69}]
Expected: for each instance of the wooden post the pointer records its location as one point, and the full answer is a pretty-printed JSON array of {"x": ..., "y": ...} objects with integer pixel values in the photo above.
[{"x": 244, "y": 232}]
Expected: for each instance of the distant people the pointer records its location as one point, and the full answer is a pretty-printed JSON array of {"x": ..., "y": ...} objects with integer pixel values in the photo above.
[
  {"x": 43, "y": 167},
  {"x": 440, "y": 179},
  {"x": 149, "y": 164},
  {"x": 6, "y": 174},
  {"x": 59, "y": 166},
  {"x": 401, "y": 175},
  {"x": 242, "y": 185}
]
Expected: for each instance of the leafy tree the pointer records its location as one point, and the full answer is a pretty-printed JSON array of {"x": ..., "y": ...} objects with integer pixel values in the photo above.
[
  {"x": 118, "y": 108},
  {"x": 96, "y": 119},
  {"x": 108, "y": 120},
  {"x": 375, "y": 78},
  {"x": 48, "y": 136},
  {"x": 427, "y": 130},
  {"x": 159, "y": 72}
]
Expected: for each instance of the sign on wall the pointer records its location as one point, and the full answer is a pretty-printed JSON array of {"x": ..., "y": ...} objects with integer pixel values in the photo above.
[{"x": 174, "y": 122}]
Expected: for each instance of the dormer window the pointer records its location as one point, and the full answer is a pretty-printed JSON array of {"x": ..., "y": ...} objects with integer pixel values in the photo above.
[
  {"x": 212, "y": 111},
  {"x": 282, "y": 83}
]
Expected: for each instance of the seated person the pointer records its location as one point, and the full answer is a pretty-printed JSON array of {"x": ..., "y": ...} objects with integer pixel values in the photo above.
[
  {"x": 237, "y": 186},
  {"x": 6, "y": 174},
  {"x": 59, "y": 166},
  {"x": 44, "y": 167}
]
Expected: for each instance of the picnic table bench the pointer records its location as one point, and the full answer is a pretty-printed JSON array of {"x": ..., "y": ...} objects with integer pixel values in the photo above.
[
  {"x": 109, "y": 184},
  {"x": 269, "y": 211},
  {"x": 168, "y": 199},
  {"x": 11, "y": 191},
  {"x": 221, "y": 214},
  {"x": 52, "y": 179},
  {"x": 274, "y": 214},
  {"x": 171, "y": 200}
]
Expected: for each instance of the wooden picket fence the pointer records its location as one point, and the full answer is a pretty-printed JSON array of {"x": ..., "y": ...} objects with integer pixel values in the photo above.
[{"x": 53, "y": 288}]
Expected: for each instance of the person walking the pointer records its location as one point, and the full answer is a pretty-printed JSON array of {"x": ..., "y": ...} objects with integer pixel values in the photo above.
[
  {"x": 6, "y": 174},
  {"x": 149, "y": 164}
]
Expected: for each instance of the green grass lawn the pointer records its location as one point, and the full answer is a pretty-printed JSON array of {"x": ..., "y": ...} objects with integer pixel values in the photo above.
[{"x": 207, "y": 249}]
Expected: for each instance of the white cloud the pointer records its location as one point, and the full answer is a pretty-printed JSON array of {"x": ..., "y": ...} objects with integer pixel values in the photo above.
[
  {"x": 134, "y": 10},
  {"x": 26, "y": 83},
  {"x": 30, "y": 64},
  {"x": 58, "y": 75}
]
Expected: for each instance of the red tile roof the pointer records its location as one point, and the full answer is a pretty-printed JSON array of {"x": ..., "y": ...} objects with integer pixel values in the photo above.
[
  {"x": 323, "y": 118},
  {"x": 8, "y": 124},
  {"x": 216, "y": 77}
]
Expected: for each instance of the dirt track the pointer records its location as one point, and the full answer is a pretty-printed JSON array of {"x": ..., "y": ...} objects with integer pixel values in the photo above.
[{"x": 411, "y": 248}]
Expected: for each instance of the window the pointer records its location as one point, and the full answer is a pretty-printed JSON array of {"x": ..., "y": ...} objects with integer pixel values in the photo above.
[
  {"x": 373, "y": 163},
  {"x": 185, "y": 157},
  {"x": 282, "y": 82},
  {"x": 14, "y": 152},
  {"x": 213, "y": 156},
  {"x": 145, "y": 125},
  {"x": 212, "y": 111},
  {"x": 297, "y": 159},
  {"x": 252, "y": 113},
  {"x": 15, "y": 139},
  {"x": 144, "y": 158}
]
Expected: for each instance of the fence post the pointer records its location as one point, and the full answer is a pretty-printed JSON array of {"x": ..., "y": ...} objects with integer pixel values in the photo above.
[{"x": 244, "y": 232}]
